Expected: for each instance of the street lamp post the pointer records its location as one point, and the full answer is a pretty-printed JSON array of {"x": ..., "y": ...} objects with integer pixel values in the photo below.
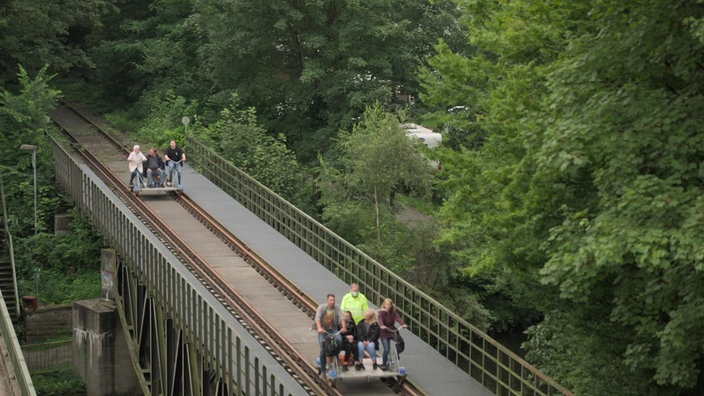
[
  {"x": 33, "y": 148},
  {"x": 185, "y": 121}
]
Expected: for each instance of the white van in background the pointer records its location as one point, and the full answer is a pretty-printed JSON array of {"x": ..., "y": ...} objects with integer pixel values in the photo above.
[{"x": 427, "y": 136}]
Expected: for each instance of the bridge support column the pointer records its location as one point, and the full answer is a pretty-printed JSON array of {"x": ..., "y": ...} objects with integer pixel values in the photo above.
[{"x": 101, "y": 356}]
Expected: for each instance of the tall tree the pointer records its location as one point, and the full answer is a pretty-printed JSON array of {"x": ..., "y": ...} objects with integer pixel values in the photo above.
[
  {"x": 588, "y": 183},
  {"x": 144, "y": 51},
  {"x": 240, "y": 139},
  {"x": 23, "y": 117},
  {"x": 310, "y": 67},
  {"x": 376, "y": 158},
  {"x": 633, "y": 131},
  {"x": 37, "y": 33}
]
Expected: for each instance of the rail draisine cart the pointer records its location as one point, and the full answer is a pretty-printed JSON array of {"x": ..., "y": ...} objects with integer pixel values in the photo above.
[
  {"x": 153, "y": 188},
  {"x": 335, "y": 371}
]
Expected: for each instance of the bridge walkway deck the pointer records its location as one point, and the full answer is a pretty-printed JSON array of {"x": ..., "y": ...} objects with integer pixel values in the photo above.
[{"x": 426, "y": 367}]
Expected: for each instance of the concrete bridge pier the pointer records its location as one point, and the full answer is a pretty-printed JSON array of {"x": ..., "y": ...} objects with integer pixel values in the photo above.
[{"x": 100, "y": 355}]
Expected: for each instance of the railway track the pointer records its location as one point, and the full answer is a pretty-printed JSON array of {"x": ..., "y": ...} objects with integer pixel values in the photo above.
[{"x": 96, "y": 146}]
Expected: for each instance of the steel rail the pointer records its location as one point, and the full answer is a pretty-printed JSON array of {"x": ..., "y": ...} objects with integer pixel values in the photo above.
[
  {"x": 258, "y": 327},
  {"x": 294, "y": 363},
  {"x": 93, "y": 123},
  {"x": 291, "y": 291}
]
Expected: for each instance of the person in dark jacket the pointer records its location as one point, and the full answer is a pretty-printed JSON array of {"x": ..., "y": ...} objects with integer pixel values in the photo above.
[
  {"x": 154, "y": 168},
  {"x": 175, "y": 157},
  {"x": 367, "y": 338},
  {"x": 349, "y": 340},
  {"x": 387, "y": 323}
]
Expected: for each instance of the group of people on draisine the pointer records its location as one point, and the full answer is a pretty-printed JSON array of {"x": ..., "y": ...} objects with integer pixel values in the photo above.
[
  {"x": 360, "y": 329},
  {"x": 153, "y": 168}
]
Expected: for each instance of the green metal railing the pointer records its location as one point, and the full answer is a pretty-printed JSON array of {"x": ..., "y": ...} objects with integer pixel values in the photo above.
[
  {"x": 472, "y": 350},
  {"x": 45, "y": 355},
  {"x": 14, "y": 351},
  {"x": 162, "y": 278}
]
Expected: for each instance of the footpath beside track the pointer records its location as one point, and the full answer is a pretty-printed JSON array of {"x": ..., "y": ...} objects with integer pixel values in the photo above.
[{"x": 253, "y": 291}]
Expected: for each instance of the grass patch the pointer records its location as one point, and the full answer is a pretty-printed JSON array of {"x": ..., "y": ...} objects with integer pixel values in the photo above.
[
  {"x": 122, "y": 116},
  {"x": 123, "y": 120},
  {"x": 420, "y": 204},
  {"x": 57, "y": 287},
  {"x": 79, "y": 92},
  {"x": 58, "y": 381},
  {"x": 49, "y": 343}
]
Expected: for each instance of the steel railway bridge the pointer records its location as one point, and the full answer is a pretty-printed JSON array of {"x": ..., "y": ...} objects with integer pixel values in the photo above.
[{"x": 186, "y": 337}]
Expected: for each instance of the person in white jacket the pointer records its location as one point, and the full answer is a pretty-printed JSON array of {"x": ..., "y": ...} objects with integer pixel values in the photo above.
[{"x": 134, "y": 161}]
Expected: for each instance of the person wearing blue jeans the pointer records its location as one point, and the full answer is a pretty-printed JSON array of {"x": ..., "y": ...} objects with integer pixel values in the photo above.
[
  {"x": 154, "y": 169},
  {"x": 385, "y": 345},
  {"x": 367, "y": 339},
  {"x": 134, "y": 162},
  {"x": 328, "y": 321},
  {"x": 175, "y": 157},
  {"x": 387, "y": 323}
]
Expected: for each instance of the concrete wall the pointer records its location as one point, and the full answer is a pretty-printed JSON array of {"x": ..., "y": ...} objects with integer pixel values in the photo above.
[
  {"x": 101, "y": 356},
  {"x": 47, "y": 322},
  {"x": 62, "y": 223}
]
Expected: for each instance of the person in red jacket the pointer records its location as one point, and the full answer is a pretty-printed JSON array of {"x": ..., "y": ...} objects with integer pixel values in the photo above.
[{"x": 388, "y": 317}]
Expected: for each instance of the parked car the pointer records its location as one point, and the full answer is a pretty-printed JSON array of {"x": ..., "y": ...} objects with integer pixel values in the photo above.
[{"x": 427, "y": 136}]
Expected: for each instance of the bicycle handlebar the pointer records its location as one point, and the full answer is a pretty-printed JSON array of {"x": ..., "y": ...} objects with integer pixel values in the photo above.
[
  {"x": 329, "y": 334},
  {"x": 393, "y": 329}
]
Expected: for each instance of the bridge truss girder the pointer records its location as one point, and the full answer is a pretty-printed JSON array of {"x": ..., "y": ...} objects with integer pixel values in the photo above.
[{"x": 165, "y": 361}]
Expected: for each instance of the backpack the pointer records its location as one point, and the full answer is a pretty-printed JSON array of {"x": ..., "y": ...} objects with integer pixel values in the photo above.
[{"x": 400, "y": 343}]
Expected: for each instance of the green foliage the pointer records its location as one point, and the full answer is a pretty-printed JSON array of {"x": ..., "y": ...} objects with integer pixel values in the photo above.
[
  {"x": 142, "y": 46},
  {"x": 571, "y": 183},
  {"x": 164, "y": 121},
  {"x": 61, "y": 286},
  {"x": 408, "y": 249},
  {"x": 641, "y": 235},
  {"x": 504, "y": 296},
  {"x": 123, "y": 119},
  {"x": 358, "y": 189},
  {"x": 39, "y": 33},
  {"x": 309, "y": 68},
  {"x": 28, "y": 109},
  {"x": 587, "y": 182},
  {"x": 449, "y": 82},
  {"x": 59, "y": 381},
  {"x": 23, "y": 116},
  {"x": 556, "y": 342},
  {"x": 78, "y": 250},
  {"x": 376, "y": 159},
  {"x": 240, "y": 139},
  {"x": 66, "y": 266}
]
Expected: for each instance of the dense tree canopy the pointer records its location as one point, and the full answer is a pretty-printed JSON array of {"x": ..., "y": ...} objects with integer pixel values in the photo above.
[
  {"x": 308, "y": 67},
  {"x": 376, "y": 159},
  {"x": 37, "y": 33},
  {"x": 240, "y": 139},
  {"x": 573, "y": 166},
  {"x": 66, "y": 263},
  {"x": 588, "y": 186},
  {"x": 23, "y": 117}
]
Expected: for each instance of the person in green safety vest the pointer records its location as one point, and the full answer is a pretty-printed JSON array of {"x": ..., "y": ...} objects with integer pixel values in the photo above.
[{"x": 355, "y": 302}]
